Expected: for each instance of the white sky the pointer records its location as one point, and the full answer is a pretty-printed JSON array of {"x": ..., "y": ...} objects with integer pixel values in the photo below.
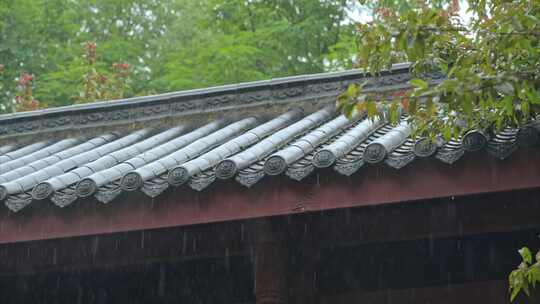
[{"x": 359, "y": 14}]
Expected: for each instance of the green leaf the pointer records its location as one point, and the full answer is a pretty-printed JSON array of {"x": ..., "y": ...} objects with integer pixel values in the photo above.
[
  {"x": 418, "y": 83},
  {"x": 352, "y": 90},
  {"x": 526, "y": 255},
  {"x": 394, "y": 113},
  {"x": 508, "y": 104},
  {"x": 371, "y": 108},
  {"x": 526, "y": 110},
  {"x": 413, "y": 104},
  {"x": 534, "y": 275},
  {"x": 348, "y": 109},
  {"x": 515, "y": 292},
  {"x": 447, "y": 133}
]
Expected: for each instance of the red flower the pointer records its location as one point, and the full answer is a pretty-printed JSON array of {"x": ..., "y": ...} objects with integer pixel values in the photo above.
[
  {"x": 90, "y": 46},
  {"x": 90, "y": 52},
  {"x": 102, "y": 79},
  {"x": 25, "y": 79},
  {"x": 121, "y": 69},
  {"x": 120, "y": 66}
]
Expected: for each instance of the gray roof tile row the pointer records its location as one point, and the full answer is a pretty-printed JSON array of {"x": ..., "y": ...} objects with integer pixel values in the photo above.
[
  {"x": 20, "y": 156},
  {"x": 7, "y": 148},
  {"x": 293, "y": 144}
]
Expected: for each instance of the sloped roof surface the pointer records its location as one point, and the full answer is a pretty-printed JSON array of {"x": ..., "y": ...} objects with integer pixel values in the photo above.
[{"x": 294, "y": 142}]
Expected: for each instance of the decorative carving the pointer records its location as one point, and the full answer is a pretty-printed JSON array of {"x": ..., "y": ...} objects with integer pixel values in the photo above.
[
  {"x": 289, "y": 92},
  {"x": 324, "y": 159},
  {"x": 226, "y": 169},
  {"x": 449, "y": 156},
  {"x": 275, "y": 165},
  {"x": 300, "y": 172},
  {"x": 318, "y": 88},
  {"x": 528, "y": 136},
  {"x": 392, "y": 79},
  {"x": 86, "y": 188},
  {"x": 25, "y": 127},
  {"x": 348, "y": 168},
  {"x": 90, "y": 118},
  {"x": 184, "y": 106},
  {"x": 107, "y": 194},
  {"x": 254, "y": 97},
  {"x": 101, "y": 117},
  {"x": 42, "y": 190},
  {"x": 502, "y": 150},
  {"x": 381, "y": 81},
  {"x": 200, "y": 182},
  {"x": 56, "y": 122},
  {"x": 154, "y": 187},
  {"x": 178, "y": 176},
  {"x": 249, "y": 179},
  {"x": 424, "y": 147},
  {"x": 149, "y": 108},
  {"x": 3, "y": 193},
  {"x": 131, "y": 181},
  {"x": 63, "y": 198},
  {"x": 220, "y": 100},
  {"x": 153, "y": 110},
  {"x": 374, "y": 153},
  {"x": 17, "y": 202},
  {"x": 398, "y": 162},
  {"x": 474, "y": 140}
]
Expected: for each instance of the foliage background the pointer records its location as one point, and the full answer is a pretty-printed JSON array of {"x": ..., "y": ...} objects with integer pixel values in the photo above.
[{"x": 169, "y": 44}]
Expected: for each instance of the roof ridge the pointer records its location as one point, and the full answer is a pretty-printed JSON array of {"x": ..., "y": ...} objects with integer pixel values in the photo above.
[{"x": 206, "y": 100}]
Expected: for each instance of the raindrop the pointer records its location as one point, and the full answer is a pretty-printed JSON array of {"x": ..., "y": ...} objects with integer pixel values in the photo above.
[
  {"x": 242, "y": 231},
  {"x": 95, "y": 245},
  {"x": 431, "y": 246},
  {"x": 184, "y": 241},
  {"x": 227, "y": 259},
  {"x": 161, "y": 284}
]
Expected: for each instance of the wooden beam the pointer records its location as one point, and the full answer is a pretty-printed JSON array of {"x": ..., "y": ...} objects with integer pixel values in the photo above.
[
  {"x": 430, "y": 219},
  {"x": 325, "y": 190}
]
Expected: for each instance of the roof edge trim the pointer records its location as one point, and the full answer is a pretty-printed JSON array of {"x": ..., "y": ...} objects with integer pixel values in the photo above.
[{"x": 279, "y": 90}]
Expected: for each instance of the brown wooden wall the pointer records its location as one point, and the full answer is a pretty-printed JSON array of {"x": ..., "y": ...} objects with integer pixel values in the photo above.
[{"x": 416, "y": 252}]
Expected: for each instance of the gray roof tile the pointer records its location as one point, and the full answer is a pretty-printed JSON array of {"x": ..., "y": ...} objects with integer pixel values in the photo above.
[
  {"x": 184, "y": 172},
  {"x": 103, "y": 158},
  {"x": 227, "y": 168},
  {"x": 135, "y": 179},
  {"x": 7, "y": 148},
  {"x": 292, "y": 144}
]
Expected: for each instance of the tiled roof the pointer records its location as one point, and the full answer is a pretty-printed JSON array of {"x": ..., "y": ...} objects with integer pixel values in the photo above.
[
  {"x": 293, "y": 144},
  {"x": 294, "y": 141}
]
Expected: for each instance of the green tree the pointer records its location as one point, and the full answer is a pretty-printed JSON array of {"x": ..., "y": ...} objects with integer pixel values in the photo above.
[
  {"x": 236, "y": 41},
  {"x": 45, "y": 37},
  {"x": 490, "y": 65},
  {"x": 168, "y": 44},
  {"x": 526, "y": 276}
]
